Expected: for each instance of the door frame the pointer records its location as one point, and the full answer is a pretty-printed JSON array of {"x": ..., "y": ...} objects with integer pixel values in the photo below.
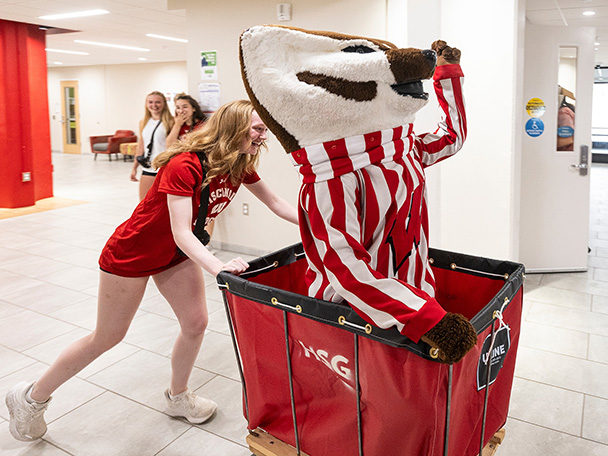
[
  {"x": 554, "y": 218},
  {"x": 70, "y": 147}
]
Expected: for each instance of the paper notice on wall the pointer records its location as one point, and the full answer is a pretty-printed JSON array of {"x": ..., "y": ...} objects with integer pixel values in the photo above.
[
  {"x": 208, "y": 65},
  {"x": 209, "y": 96}
]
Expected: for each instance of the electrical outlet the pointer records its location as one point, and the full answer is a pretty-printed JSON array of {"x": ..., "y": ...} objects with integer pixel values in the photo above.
[
  {"x": 26, "y": 176},
  {"x": 245, "y": 209}
]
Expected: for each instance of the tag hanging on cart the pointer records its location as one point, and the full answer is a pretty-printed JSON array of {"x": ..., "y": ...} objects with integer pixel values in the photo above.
[{"x": 502, "y": 342}]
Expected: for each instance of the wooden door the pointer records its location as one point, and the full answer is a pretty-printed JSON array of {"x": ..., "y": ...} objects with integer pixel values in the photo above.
[{"x": 70, "y": 117}]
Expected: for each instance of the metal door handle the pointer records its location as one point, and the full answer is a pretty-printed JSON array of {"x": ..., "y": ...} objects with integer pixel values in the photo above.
[{"x": 582, "y": 167}]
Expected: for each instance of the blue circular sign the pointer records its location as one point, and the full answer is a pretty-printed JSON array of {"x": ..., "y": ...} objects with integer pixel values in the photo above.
[
  {"x": 535, "y": 127},
  {"x": 565, "y": 132}
]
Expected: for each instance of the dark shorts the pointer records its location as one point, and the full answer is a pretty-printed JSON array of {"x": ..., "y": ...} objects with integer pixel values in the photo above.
[{"x": 148, "y": 173}]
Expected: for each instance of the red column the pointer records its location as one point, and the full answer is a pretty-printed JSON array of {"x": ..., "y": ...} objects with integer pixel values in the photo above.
[{"x": 25, "y": 140}]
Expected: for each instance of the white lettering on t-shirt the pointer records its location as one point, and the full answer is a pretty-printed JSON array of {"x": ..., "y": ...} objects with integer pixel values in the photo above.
[
  {"x": 218, "y": 208},
  {"x": 221, "y": 193}
]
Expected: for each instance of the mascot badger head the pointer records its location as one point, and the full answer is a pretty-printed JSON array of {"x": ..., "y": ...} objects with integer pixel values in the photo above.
[
  {"x": 312, "y": 87},
  {"x": 362, "y": 204}
]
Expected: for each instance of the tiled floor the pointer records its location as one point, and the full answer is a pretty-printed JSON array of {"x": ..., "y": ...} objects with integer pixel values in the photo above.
[{"x": 48, "y": 284}]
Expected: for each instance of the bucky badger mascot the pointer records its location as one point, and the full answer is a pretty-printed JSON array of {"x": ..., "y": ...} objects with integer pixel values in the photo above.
[{"x": 343, "y": 107}]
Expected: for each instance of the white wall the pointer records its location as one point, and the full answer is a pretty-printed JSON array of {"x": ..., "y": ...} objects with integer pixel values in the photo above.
[
  {"x": 111, "y": 97},
  {"x": 567, "y": 73},
  {"x": 474, "y": 196},
  {"x": 476, "y": 193}
]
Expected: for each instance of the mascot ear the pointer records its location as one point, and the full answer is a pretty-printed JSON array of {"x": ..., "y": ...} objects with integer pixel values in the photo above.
[
  {"x": 446, "y": 55},
  {"x": 453, "y": 336}
]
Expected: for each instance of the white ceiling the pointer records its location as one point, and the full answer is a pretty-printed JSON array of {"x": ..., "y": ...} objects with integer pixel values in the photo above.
[
  {"x": 127, "y": 24},
  {"x": 130, "y": 20},
  {"x": 570, "y": 13}
]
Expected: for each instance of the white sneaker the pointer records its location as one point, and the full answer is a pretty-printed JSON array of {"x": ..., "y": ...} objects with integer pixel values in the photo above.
[
  {"x": 194, "y": 408},
  {"x": 27, "y": 419}
]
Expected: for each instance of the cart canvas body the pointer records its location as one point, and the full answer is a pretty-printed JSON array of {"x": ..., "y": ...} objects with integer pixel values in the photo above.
[{"x": 318, "y": 377}]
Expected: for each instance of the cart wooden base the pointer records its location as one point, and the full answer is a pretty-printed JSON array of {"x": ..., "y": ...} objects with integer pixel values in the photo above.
[
  {"x": 261, "y": 443},
  {"x": 492, "y": 446}
]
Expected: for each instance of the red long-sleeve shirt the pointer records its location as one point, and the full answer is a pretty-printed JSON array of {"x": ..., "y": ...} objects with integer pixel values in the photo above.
[{"x": 364, "y": 220}]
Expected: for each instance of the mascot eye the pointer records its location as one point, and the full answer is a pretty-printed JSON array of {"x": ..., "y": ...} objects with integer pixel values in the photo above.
[{"x": 359, "y": 49}]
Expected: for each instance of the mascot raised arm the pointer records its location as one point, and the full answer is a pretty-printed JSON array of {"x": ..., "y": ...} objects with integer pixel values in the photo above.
[{"x": 343, "y": 106}]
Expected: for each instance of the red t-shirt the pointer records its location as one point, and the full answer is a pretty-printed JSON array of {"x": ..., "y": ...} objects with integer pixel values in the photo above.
[
  {"x": 185, "y": 129},
  {"x": 144, "y": 245}
]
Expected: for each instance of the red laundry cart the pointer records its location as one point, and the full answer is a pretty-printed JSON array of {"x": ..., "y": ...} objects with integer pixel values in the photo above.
[{"x": 319, "y": 378}]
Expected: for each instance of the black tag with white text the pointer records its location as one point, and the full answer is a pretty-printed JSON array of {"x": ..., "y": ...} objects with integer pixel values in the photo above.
[{"x": 497, "y": 357}]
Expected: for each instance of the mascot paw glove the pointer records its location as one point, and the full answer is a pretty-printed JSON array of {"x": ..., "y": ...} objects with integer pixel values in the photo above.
[
  {"x": 453, "y": 336},
  {"x": 446, "y": 55}
]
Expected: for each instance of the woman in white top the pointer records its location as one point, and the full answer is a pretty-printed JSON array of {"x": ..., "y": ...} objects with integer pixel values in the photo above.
[{"x": 158, "y": 120}]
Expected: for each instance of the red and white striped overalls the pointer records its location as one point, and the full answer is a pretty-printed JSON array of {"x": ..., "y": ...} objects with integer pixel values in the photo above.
[{"x": 363, "y": 216}]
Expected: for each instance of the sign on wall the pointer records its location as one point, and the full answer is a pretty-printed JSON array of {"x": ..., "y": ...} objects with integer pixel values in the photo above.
[
  {"x": 208, "y": 65},
  {"x": 209, "y": 96}
]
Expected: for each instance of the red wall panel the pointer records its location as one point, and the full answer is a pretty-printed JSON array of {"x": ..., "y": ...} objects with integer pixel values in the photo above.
[{"x": 25, "y": 143}]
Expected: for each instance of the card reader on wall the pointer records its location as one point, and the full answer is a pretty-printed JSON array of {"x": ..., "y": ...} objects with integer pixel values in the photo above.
[{"x": 284, "y": 11}]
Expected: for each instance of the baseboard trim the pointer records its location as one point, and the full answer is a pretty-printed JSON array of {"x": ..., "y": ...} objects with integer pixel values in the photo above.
[{"x": 242, "y": 249}]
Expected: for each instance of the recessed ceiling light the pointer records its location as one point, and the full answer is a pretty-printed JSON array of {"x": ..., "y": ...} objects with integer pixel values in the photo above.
[
  {"x": 142, "y": 58},
  {"x": 57, "y": 63},
  {"x": 95, "y": 12},
  {"x": 66, "y": 52},
  {"x": 589, "y": 13},
  {"x": 596, "y": 43},
  {"x": 170, "y": 38},
  {"x": 117, "y": 46}
]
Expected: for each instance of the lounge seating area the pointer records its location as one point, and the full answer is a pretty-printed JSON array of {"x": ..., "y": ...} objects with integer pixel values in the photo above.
[{"x": 110, "y": 144}]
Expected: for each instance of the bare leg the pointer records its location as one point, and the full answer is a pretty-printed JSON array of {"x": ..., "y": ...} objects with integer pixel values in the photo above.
[
  {"x": 183, "y": 287},
  {"x": 145, "y": 182},
  {"x": 119, "y": 298}
]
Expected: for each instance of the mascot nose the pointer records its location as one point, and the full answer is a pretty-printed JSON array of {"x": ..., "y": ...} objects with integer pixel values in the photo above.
[{"x": 430, "y": 56}]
